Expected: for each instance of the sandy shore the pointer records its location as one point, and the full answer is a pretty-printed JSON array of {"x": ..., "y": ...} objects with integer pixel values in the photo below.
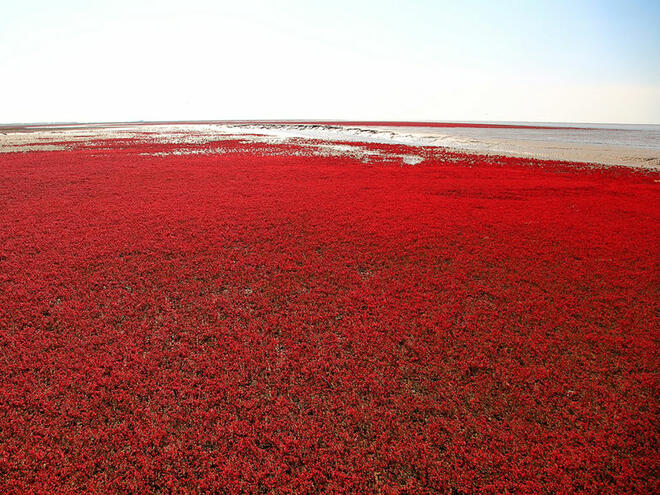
[
  {"x": 572, "y": 152},
  {"x": 627, "y": 147},
  {"x": 604, "y": 146}
]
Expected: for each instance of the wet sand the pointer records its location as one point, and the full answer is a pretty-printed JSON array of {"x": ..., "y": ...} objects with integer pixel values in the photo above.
[
  {"x": 605, "y": 146},
  {"x": 625, "y": 146}
]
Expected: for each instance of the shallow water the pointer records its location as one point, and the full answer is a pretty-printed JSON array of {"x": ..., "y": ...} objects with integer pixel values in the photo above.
[{"x": 618, "y": 135}]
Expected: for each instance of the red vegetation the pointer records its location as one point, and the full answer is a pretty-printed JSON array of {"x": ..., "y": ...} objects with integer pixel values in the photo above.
[{"x": 260, "y": 320}]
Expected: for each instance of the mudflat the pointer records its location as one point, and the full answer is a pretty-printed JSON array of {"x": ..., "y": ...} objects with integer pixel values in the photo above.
[{"x": 625, "y": 145}]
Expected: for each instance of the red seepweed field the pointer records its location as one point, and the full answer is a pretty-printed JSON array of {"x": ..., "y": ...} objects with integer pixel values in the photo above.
[{"x": 264, "y": 319}]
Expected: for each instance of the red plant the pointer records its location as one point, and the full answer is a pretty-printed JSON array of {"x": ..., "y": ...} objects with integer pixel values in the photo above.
[{"x": 265, "y": 319}]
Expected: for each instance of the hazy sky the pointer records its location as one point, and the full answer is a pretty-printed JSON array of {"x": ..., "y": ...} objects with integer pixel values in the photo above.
[{"x": 86, "y": 60}]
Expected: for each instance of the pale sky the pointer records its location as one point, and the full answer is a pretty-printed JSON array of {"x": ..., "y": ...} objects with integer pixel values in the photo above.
[{"x": 433, "y": 60}]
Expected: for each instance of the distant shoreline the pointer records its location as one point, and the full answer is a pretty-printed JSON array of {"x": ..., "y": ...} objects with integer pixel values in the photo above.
[{"x": 360, "y": 123}]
